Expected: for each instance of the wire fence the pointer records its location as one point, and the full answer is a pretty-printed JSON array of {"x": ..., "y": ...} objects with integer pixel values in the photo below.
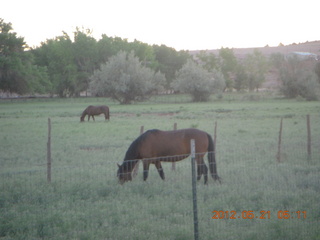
[
  {"x": 259, "y": 198},
  {"x": 264, "y": 193}
]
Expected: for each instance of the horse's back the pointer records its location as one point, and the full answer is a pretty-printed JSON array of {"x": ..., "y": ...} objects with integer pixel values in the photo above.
[
  {"x": 89, "y": 107},
  {"x": 97, "y": 109},
  {"x": 168, "y": 143},
  {"x": 104, "y": 108}
]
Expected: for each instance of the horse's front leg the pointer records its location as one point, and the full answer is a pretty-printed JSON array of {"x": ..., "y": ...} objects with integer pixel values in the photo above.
[
  {"x": 146, "y": 164},
  {"x": 93, "y": 118},
  {"x": 160, "y": 169}
]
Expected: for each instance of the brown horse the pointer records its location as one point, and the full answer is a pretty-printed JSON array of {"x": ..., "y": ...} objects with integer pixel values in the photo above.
[
  {"x": 91, "y": 111},
  {"x": 155, "y": 146}
]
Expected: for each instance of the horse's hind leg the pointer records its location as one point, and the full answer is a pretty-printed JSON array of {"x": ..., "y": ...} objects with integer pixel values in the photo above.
[
  {"x": 160, "y": 169},
  {"x": 199, "y": 171},
  {"x": 205, "y": 173},
  {"x": 93, "y": 118},
  {"x": 202, "y": 169}
]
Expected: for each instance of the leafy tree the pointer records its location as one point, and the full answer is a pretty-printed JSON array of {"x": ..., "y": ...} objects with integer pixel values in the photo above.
[
  {"x": 298, "y": 81},
  {"x": 86, "y": 58},
  {"x": 58, "y": 56},
  {"x": 256, "y": 66},
  {"x": 145, "y": 53},
  {"x": 39, "y": 80},
  {"x": 241, "y": 78},
  {"x": 18, "y": 74},
  {"x": 228, "y": 64},
  {"x": 169, "y": 61},
  {"x": 277, "y": 60},
  {"x": 125, "y": 79},
  {"x": 208, "y": 60},
  {"x": 197, "y": 81},
  {"x": 109, "y": 46},
  {"x": 12, "y": 72}
]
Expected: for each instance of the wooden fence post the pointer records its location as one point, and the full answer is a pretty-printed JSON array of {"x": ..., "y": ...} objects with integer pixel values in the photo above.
[
  {"x": 279, "y": 142},
  {"x": 309, "y": 137},
  {"x": 49, "y": 152}
]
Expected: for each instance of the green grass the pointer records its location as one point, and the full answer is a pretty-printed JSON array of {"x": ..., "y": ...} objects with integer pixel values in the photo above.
[{"x": 84, "y": 200}]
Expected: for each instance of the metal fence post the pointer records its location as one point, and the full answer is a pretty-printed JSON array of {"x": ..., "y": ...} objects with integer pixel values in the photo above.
[
  {"x": 49, "y": 152},
  {"x": 309, "y": 137},
  {"x": 194, "y": 190}
]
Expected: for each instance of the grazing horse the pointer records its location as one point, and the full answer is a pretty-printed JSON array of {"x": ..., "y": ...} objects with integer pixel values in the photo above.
[
  {"x": 91, "y": 111},
  {"x": 156, "y": 146}
]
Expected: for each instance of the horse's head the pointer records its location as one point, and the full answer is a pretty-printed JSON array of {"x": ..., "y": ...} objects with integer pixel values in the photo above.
[
  {"x": 81, "y": 119},
  {"x": 123, "y": 174}
]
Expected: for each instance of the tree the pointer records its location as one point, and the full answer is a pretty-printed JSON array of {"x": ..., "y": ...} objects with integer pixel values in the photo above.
[
  {"x": 125, "y": 79},
  {"x": 58, "y": 56},
  {"x": 109, "y": 46},
  {"x": 86, "y": 58},
  {"x": 197, "y": 81},
  {"x": 12, "y": 72},
  {"x": 18, "y": 73},
  {"x": 228, "y": 64},
  {"x": 208, "y": 60},
  {"x": 169, "y": 61},
  {"x": 241, "y": 78},
  {"x": 299, "y": 81},
  {"x": 145, "y": 53},
  {"x": 256, "y": 67}
]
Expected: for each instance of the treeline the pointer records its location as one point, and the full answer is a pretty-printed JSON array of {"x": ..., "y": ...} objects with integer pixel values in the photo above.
[
  {"x": 130, "y": 71},
  {"x": 62, "y": 66}
]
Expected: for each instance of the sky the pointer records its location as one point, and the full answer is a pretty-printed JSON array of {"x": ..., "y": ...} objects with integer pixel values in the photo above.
[{"x": 181, "y": 24}]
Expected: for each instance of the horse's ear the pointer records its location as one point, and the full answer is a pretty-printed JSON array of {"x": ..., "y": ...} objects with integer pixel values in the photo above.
[{"x": 118, "y": 165}]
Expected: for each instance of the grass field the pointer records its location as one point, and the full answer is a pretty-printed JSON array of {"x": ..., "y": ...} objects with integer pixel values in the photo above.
[{"x": 85, "y": 201}]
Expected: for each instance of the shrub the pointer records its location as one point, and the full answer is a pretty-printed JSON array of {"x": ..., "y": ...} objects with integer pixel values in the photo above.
[
  {"x": 198, "y": 82},
  {"x": 124, "y": 79},
  {"x": 296, "y": 81}
]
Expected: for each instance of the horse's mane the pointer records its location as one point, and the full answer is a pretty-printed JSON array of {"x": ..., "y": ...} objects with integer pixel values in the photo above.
[
  {"x": 133, "y": 151},
  {"x": 133, "y": 154},
  {"x": 85, "y": 112}
]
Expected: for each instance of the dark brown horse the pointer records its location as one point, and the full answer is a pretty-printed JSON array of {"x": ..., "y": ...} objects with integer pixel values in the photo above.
[
  {"x": 92, "y": 111},
  {"x": 155, "y": 146}
]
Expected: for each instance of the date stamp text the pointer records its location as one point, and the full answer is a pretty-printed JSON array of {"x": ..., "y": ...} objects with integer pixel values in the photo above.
[{"x": 282, "y": 214}]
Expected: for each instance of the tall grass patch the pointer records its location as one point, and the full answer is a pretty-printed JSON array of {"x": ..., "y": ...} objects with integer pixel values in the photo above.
[{"x": 85, "y": 201}]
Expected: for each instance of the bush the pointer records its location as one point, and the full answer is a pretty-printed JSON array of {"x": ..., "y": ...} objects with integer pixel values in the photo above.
[
  {"x": 296, "y": 81},
  {"x": 198, "y": 82},
  {"x": 124, "y": 79}
]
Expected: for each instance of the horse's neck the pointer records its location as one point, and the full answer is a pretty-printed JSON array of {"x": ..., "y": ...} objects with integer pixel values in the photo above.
[{"x": 85, "y": 112}]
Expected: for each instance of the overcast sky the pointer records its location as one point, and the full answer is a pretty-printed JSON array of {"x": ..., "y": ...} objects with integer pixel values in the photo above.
[{"x": 183, "y": 25}]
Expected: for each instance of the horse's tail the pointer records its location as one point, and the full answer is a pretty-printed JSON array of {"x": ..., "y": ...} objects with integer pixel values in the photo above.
[{"x": 212, "y": 159}]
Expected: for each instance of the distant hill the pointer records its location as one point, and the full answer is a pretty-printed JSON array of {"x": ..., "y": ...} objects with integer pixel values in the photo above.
[
  {"x": 311, "y": 47},
  {"x": 272, "y": 78}
]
